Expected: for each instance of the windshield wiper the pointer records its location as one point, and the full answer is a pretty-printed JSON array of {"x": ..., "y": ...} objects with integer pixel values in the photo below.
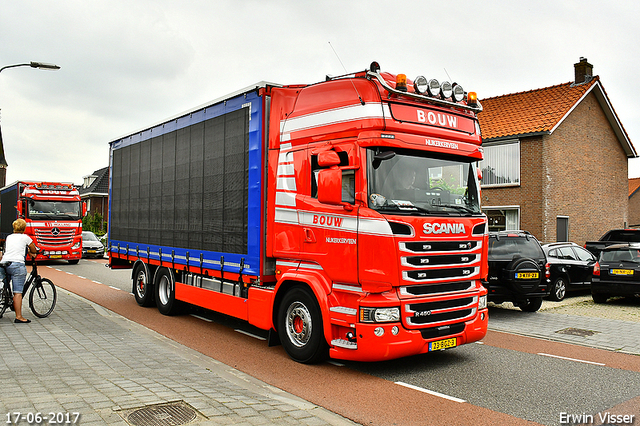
[
  {"x": 461, "y": 208},
  {"x": 404, "y": 209}
]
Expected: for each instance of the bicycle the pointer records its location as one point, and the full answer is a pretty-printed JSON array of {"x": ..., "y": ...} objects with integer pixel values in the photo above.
[{"x": 43, "y": 296}]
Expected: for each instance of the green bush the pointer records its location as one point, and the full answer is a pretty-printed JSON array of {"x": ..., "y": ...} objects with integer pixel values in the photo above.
[{"x": 94, "y": 223}]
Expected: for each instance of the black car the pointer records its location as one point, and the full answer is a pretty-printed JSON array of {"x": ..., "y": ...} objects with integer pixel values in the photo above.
[
  {"x": 617, "y": 272},
  {"x": 571, "y": 268},
  {"x": 518, "y": 270}
]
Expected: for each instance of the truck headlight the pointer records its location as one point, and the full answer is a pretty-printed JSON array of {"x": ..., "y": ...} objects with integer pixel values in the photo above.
[
  {"x": 379, "y": 314},
  {"x": 482, "y": 302},
  {"x": 76, "y": 246}
]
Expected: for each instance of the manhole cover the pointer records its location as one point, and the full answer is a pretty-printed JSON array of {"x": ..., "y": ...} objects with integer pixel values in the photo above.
[
  {"x": 577, "y": 332},
  {"x": 169, "y": 414}
]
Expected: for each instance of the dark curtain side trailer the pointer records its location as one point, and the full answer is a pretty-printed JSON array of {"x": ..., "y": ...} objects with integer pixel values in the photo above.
[{"x": 186, "y": 202}]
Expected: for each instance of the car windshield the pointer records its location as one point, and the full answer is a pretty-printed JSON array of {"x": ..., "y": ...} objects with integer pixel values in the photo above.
[
  {"x": 54, "y": 210},
  {"x": 626, "y": 254},
  {"x": 506, "y": 248},
  {"x": 410, "y": 182},
  {"x": 89, "y": 236}
]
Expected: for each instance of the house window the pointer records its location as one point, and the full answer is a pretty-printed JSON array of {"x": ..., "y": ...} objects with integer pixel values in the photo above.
[
  {"x": 501, "y": 164},
  {"x": 502, "y": 218}
]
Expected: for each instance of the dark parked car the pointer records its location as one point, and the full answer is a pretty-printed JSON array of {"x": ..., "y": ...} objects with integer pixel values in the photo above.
[
  {"x": 571, "y": 268},
  {"x": 518, "y": 270},
  {"x": 91, "y": 245},
  {"x": 617, "y": 272}
]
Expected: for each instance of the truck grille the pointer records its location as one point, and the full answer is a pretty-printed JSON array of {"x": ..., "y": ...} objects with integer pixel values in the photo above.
[
  {"x": 432, "y": 261},
  {"x": 441, "y": 311},
  {"x": 54, "y": 237}
]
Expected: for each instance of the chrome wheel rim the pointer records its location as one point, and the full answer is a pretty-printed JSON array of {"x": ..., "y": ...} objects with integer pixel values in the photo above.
[
  {"x": 561, "y": 289},
  {"x": 164, "y": 290},
  {"x": 141, "y": 284},
  {"x": 299, "y": 324}
]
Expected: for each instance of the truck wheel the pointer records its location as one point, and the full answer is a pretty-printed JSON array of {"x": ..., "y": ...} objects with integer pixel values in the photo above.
[
  {"x": 558, "y": 289},
  {"x": 532, "y": 304},
  {"x": 142, "y": 287},
  {"x": 599, "y": 297},
  {"x": 166, "y": 292},
  {"x": 300, "y": 327}
]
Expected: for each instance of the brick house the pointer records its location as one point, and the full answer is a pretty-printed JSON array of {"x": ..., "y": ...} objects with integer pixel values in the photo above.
[
  {"x": 634, "y": 202},
  {"x": 556, "y": 161},
  {"x": 95, "y": 192}
]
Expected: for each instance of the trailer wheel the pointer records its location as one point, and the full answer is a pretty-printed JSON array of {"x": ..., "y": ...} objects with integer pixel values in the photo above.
[
  {"x": 300, "y": 327},
  {"x": 142, "y": 287},
  {"x": 165, "y": 292}
]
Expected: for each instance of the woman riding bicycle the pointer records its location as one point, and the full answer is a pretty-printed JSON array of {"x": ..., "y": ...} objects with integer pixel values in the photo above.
[{"x": 13, "y": 263}]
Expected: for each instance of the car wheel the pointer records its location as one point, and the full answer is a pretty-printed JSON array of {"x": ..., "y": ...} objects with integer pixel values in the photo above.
[
  {"x": 599, "y": 297},
  {"x": 531, "y": 305},
  {"x": 558, "y": 290}
]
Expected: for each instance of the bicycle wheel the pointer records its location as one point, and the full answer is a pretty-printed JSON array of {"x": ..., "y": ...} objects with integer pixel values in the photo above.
[
  {"x": 4, "y": 301},
  {"x": 42, "y": 298}
]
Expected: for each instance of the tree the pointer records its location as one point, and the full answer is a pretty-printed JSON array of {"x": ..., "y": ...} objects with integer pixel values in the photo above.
[{"x": 94, "y": 223}]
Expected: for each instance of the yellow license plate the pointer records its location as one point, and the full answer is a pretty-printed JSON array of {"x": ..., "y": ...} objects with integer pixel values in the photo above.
[
  {"x": 527, "y": 275},
  {"x": 55, "y": 256},
  {"x": 91, "y": 251},
  {"x": 442, "y": 344},
  {"x": 622, "y": 272}
]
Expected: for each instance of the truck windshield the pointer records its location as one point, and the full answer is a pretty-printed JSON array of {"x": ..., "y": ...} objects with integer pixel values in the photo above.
[
  {"x": 411, "y": 182},
  {"x": 54, "y": 210}
]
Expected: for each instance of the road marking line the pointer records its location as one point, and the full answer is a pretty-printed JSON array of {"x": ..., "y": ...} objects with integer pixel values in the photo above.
[
  {"x": 84, "y": 278},
  {"x": 430, "y": 392},
  {"x": 249, "y": 334},
  {"x": 115, "y": 288},
  {"x": 97, "y": 282},
  {"x": 571, "y": 359},
  {"x": 202, "y": 318},
  {"x": 337, "y": 364}
]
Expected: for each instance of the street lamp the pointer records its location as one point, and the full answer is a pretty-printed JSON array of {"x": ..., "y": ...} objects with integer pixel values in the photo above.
[
  {"x": 39, "y": 65},
  {"x": 3, "y": 161}
]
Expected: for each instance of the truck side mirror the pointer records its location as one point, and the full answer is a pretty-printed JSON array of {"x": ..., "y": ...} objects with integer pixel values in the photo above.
[
  {"x": 330, "y": 186},
  {"x": 328, "y": 159},
  {"x": 22, "y": 208},
  {"x": 84, "y": 208}
]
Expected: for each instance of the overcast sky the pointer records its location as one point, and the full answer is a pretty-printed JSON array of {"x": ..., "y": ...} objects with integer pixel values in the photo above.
[{"x": 129, "y": 64}]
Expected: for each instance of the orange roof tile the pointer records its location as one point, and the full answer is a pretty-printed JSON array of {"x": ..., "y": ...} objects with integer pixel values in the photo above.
[
  {"x": 634, "y": 184},
  {"x": 535, "y": 111}
]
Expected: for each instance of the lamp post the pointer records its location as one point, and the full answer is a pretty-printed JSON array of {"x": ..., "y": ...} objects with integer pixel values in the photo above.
[
  {"x": 3, "y": 161},
  {"x": 39, "y": 65}
]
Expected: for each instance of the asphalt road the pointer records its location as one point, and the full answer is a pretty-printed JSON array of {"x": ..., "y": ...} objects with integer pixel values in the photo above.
[{"x": 502, "y": 380}]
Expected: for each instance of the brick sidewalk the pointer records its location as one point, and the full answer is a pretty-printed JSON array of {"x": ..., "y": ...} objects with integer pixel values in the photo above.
[{"x": 85, "y": 359}]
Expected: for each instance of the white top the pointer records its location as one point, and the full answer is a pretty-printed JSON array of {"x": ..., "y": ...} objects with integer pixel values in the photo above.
[{"x": 16, "y": 247}]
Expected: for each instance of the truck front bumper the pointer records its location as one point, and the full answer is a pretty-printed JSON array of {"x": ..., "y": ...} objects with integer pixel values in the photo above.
[{"x": 377, "y": 342}]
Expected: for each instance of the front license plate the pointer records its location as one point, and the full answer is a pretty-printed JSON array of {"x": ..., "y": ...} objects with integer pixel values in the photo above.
[
  {"x": 527, "y": 275},
  {"x": 621, "y": 272},
  {"x": 55, "y": 256},
  {"x": 442, "y": 344},
  {"x": 91, "y": 251}
]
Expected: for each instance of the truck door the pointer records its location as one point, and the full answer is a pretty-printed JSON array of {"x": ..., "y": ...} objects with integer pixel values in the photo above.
[{"x": 329, "y": 216}]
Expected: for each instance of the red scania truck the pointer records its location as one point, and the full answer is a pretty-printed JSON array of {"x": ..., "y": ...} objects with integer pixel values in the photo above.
[
  {"x": 343, "y": 217},
  {"x": 53, "y": 212}
]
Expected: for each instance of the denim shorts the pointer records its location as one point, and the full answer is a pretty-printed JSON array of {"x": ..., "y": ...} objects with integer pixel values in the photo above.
[{"x": 18, "y": 275}]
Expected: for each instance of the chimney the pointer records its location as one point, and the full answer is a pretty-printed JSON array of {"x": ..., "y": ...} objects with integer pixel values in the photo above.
[{"x": 584, "y": 71}]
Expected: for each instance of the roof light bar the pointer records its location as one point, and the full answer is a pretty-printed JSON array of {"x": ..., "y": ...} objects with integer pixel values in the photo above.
[
  {"x": 447, "y": 90},
  {"x": 458, "y": 93}
]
